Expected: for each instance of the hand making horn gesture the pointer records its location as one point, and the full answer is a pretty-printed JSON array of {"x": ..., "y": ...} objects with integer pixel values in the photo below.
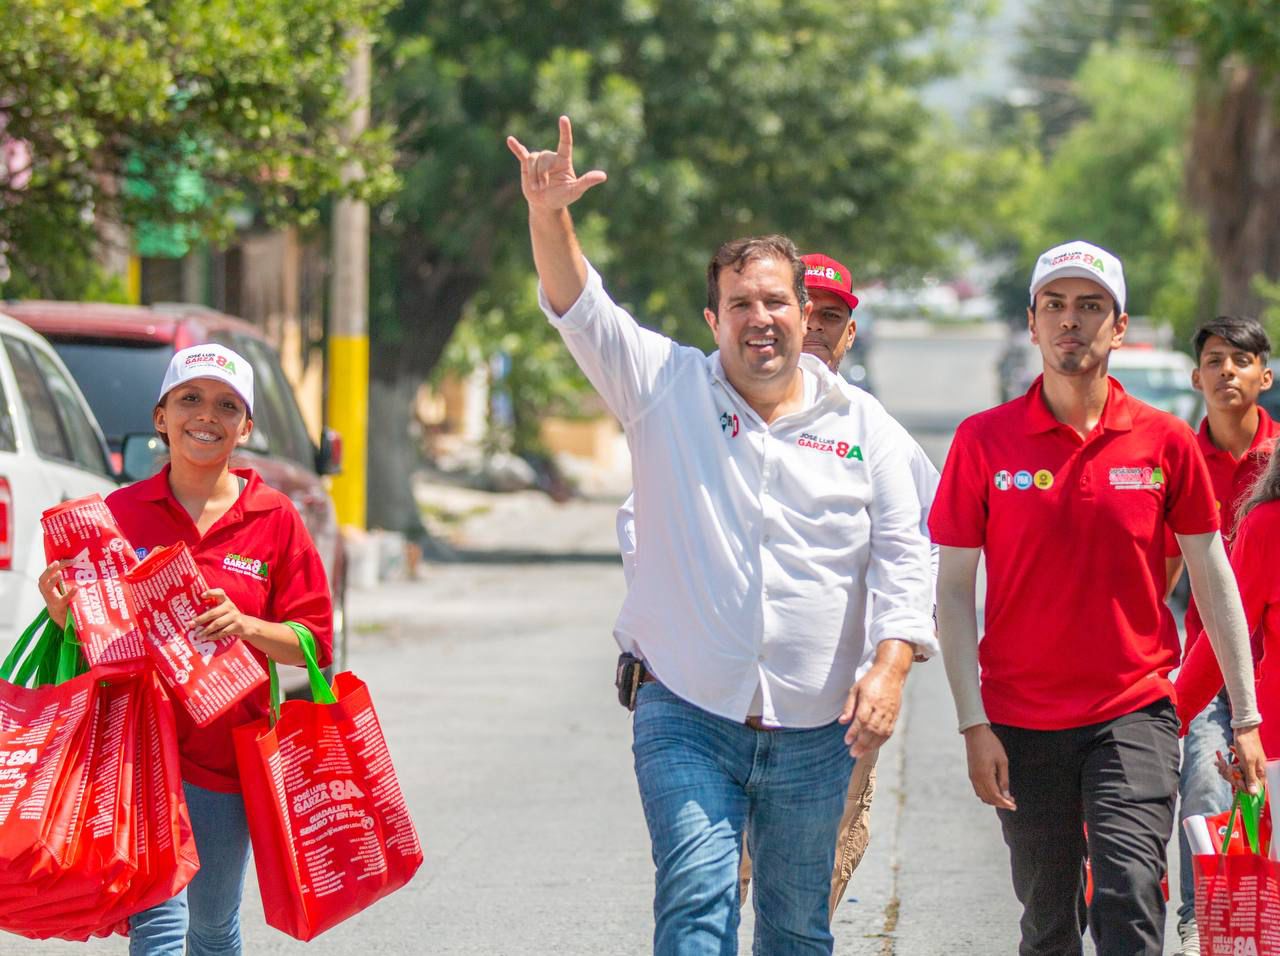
[{"x": 547, "y": 177}]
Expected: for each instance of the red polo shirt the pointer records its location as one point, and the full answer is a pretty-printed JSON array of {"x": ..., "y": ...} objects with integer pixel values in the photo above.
[
  {"x": 1232, "y": 478},
  {"x": 261, "y": 526},
  {"x": 1255, "y": 557},
  {"x": 1072, "y": 529}
]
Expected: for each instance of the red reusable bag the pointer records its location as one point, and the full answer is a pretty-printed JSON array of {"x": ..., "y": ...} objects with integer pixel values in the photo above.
[
  {"x": 83, "y": 531},
  {"x": 75, "y": 854},
  {"x": 330, "y": 829},
  {"x": 207, "y": 677},
  {"x": 1238, "y": 900}
]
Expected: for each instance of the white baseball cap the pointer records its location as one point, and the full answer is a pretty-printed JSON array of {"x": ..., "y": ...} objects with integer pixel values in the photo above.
[
  {"x": 1081, "y": 260},
  {"x": 210, "y": 361}
]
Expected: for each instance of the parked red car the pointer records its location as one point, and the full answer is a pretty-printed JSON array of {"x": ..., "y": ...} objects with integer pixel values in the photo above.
[{"x": 118, "y": 355}]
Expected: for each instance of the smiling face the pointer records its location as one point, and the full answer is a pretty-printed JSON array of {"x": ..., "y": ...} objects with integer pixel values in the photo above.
[
  {"x": 759, "y": 325},
  {"x": 830, "y": 330},
  {"x": 203, "y": 421},
  {"x": 1076, "y": 326},
  {"x": 1230, "y": 377}
]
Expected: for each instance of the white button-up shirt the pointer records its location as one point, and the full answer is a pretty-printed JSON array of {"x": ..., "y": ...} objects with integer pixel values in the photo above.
[{"x": 764, "y": 542}]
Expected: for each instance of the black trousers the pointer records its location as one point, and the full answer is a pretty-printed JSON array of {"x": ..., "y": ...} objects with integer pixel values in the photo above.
[{"x": 1120, "y": 778}]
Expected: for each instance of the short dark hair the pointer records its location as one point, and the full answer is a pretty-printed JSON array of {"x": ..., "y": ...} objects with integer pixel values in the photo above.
[
  {"x": 737, "y": 253},
  {"x": 1238, "y": 331}
]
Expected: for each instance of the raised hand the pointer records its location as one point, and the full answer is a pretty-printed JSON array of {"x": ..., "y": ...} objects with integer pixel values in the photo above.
[{"x": 547, "y": 177}]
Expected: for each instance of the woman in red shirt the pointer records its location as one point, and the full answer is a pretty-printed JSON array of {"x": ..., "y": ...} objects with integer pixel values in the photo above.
[
  {"x": 1255, "y": 558},
  {"x": 263, "y": 571}
]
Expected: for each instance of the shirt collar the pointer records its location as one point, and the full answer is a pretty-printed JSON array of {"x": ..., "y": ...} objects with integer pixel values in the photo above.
[
  {"x": 256, "y": 496},
  {"x": 1117, "y": 413},
  {"x": 1263, "y": 439},
  {"x": 830, "y": 386}
]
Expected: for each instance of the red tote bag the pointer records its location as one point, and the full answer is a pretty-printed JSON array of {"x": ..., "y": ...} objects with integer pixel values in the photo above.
[
  {"x": 330, "y": 829},
  {"x": 1238, "y": 894}
]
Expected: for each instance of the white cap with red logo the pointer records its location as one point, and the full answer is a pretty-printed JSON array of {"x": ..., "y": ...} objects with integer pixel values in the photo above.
[
  {"x": 210, "y": 361},
  {"x": 1081, "y": 260}
]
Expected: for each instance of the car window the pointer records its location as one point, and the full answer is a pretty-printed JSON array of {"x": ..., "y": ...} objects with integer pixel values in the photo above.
[
  {"x": 86, "y": 448},
  {"x": 8, "y": 437},
  {"x": 50, "y": 438},
  {"x": 120, "y": 380},
  {"x": 275, "y": 410}
]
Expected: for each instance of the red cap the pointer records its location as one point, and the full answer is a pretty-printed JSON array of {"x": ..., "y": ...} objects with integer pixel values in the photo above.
[{"x": 823, "y": 272}]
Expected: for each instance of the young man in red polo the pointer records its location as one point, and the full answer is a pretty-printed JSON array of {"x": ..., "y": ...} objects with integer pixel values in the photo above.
[
  {"x": 1236, "y": 439},
  {"x": 1067, "y": 492}
]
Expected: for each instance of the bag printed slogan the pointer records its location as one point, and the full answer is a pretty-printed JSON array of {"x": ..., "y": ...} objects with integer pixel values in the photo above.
[
  {"x": 330, "y": 829},
  {"x": 84, "y": 532},
  {"x": 208, "y": 677}
]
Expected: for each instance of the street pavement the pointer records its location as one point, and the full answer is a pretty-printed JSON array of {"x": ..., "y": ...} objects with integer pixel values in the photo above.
[{"x": 493, "y": 680}]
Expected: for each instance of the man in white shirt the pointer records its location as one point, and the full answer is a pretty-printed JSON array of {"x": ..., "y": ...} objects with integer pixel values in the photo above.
[
  {"x": 781, "y": 501},
  {"x": 829, "y": 333}
]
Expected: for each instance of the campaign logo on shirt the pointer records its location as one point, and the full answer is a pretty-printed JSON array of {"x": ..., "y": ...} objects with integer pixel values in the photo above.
[
  {"x": 1022, "y": 480},
  {"x": 1003, "y": 480},
  {"x": 841, "y": 449},
  {"x": 729, "y": 424},
  {"x": 1043, "y": 479},
  {"x": 250, "y": 567},
  {"x": 1136, "y": 477}
]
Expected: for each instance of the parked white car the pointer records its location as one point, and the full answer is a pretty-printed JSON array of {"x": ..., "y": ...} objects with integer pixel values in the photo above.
[
  {"x": 51, "y": 449},
  {"x": 1159, "y": 377}
]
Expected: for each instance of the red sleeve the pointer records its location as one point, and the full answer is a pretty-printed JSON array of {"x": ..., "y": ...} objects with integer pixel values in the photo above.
[
  {"x": 300, "y": 589},
  {"x": 1199, "y": 681},
  {"x": 1189, "y": 505},
  {"x": 1171, "y": 547},
  {"x": 1254, "y": 563},
  {"x": 958, "y": 515}
]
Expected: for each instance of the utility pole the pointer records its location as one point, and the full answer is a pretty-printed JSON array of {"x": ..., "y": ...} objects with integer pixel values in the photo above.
[{"x": 348, "y": 404}]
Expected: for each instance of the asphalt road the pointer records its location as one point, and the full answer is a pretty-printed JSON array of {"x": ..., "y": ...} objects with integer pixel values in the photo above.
[{"x": 493, "y": 682}]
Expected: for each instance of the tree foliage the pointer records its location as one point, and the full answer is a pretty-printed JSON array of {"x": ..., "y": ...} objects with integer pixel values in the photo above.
[
  {"x": 1117, "y": 179},
  {"x": 246, "y": 98}
]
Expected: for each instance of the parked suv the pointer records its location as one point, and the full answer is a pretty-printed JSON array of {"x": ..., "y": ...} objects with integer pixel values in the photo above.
[
  {"x": 51, "y": 449},
  {"x": 118, "y": 354}
]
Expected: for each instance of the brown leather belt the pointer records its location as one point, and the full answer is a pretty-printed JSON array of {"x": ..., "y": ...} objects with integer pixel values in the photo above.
[{"x": 753, "y": 721}]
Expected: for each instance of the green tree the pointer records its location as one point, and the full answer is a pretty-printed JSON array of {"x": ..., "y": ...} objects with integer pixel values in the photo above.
[
  {"x": 246, "y": 99},
  {"x": 1234, "y": 169},
  {"x": 714, "y": 118},
  {"x": 1116, "y": 178}
]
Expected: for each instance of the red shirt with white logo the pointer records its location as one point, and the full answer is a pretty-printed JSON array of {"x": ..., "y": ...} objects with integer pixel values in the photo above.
[
  {"x": 1232, "y": 478},
  {"x": 260, "y": 553},
  {"x": 1072, "y": 529}
]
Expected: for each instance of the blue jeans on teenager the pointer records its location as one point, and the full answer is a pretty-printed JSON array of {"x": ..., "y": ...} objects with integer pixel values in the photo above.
[
  {"x": 205, "y": 917},
  {"x": 704, "y": 781},
  {"x": 1200, "y": 787}
]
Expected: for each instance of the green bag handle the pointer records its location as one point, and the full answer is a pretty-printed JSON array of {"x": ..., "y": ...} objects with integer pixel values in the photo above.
[
  {"x": 51, "y": 658},
  {"x": 1248, "y": 806},
  {"x": 320, "y": 690}
]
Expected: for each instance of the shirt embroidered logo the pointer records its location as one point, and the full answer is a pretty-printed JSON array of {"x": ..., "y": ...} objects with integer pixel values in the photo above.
[
  {"x": 248, "y": 566},
  {"x": 1022, "y": 480},
  {"x": 729, "y": 423},
  {"x": 1003, "y": 480},
  {"x": 1044, "y": 479},
  {"x": 842, "y": 449},
  {"x": 1136, "y": 477}
]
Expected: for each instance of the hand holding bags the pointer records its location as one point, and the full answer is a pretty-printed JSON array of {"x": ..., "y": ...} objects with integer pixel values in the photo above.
[
  {"x": 207, "y": 677},
  {"x": 330, "y": 829}
]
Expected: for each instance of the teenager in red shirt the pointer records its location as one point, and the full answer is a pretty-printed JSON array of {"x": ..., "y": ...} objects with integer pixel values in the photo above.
[
  {"x": 225, "y": 516},
  {"x": 1066, "y": 492},
  {"x": 1236, "y": 438}
]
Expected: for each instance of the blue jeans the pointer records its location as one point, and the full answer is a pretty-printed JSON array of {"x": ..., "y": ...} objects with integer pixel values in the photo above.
[
  {"x": 206, "y": 915},
  {"x": 704, "y": 780},
  {"x": 1200, "y": 787}
]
